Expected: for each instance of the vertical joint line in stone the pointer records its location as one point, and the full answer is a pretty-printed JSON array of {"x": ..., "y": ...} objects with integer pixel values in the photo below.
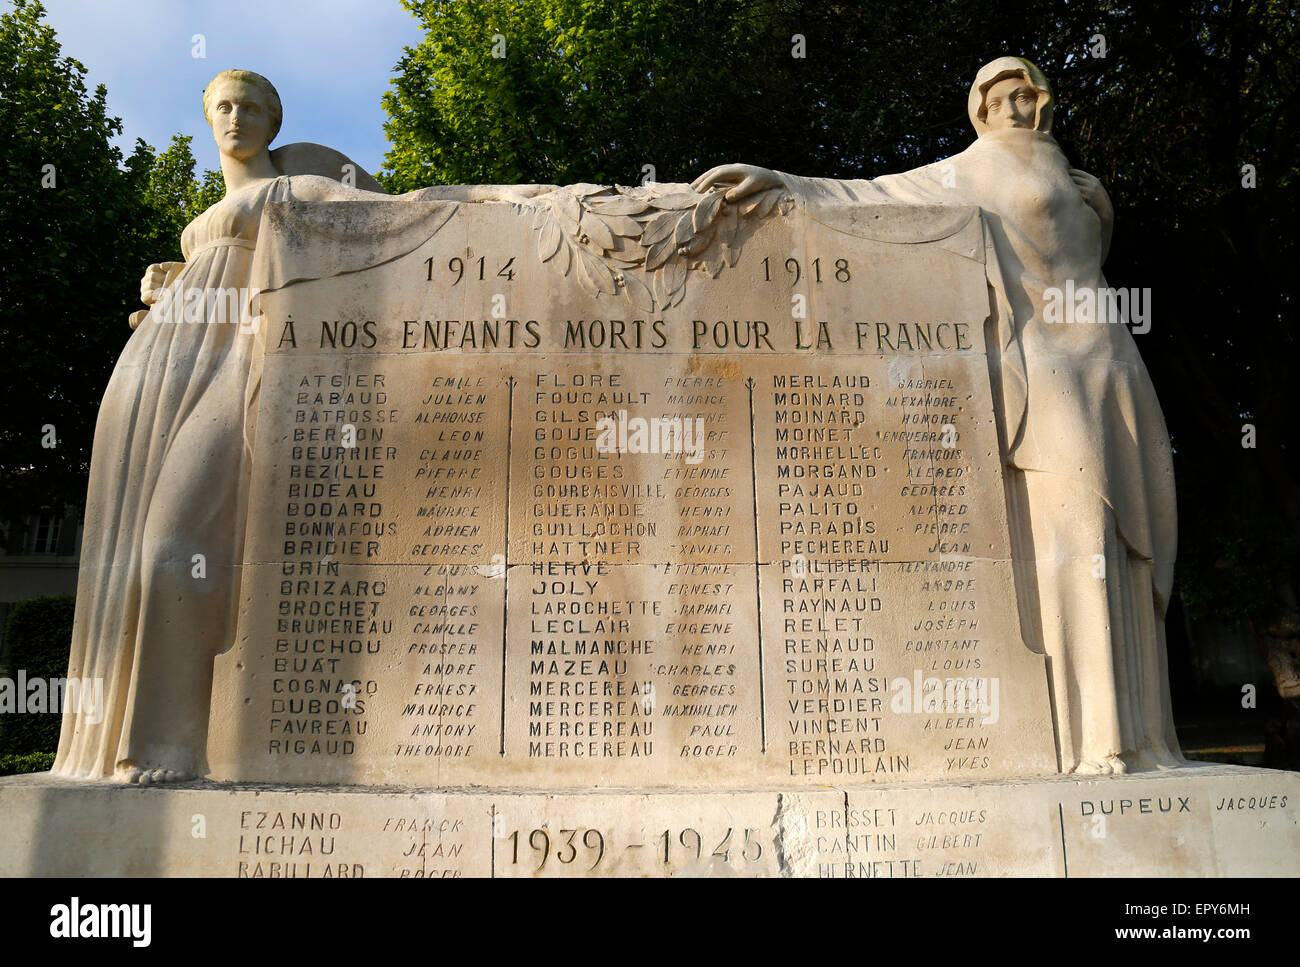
[
  {"x": 1065, "y": 858},
  {"x": 492, "y": 840},
  {"x": 848, "y": 842},
  {"x": 758, "y": 581},
  {"x": 505, "y": 574}
]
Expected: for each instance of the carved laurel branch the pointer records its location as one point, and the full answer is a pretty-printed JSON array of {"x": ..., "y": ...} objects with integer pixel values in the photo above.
[{"x": 643, "y": 243}]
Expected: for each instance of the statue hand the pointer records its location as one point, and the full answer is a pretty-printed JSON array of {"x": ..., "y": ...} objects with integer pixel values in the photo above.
[
  {"x": 742, "y": 179},
  {"x": 1094, "y": 194},
  {"x": 156, "y": 278}
]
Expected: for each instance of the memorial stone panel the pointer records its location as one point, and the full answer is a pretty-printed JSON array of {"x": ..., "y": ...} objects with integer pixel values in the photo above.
[{"x": 517, "y": 524}]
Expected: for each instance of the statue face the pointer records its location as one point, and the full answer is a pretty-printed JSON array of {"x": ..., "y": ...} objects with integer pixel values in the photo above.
[
  {"x": 241, "y": 123},
  {"x": 1011, "y": 103}
]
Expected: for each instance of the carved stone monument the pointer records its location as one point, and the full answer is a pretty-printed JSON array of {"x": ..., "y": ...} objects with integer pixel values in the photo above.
[{"x": 765, "y": 526}]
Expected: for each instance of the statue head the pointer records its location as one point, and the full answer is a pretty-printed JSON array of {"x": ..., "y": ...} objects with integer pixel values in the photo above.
[
  {"x": 1010, "y": 92},
  {"x": 253, "y": 103}
]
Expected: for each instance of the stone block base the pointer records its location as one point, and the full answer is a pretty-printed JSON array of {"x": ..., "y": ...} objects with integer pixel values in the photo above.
[{"x": 1202, "y": 820}]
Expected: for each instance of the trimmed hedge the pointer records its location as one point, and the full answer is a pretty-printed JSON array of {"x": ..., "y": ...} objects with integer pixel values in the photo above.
[
  {"x": 13, "y": 765},
  {"x": 38, "y": 638}
]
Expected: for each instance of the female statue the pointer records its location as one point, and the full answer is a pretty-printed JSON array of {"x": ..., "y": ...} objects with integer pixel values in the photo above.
[
  {"x": 1088, "y": 455},
  {"x": 158, "y": 589}
]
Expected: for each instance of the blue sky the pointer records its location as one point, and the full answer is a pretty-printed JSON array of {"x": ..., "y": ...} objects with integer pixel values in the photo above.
[{"x": 331, "y": 61}]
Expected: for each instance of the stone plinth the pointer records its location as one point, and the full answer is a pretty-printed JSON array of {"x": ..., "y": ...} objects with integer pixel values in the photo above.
[{"x": 1199, "y": 821}]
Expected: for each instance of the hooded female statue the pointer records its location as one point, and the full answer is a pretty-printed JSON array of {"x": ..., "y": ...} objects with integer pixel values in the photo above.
[
  {"x": 1088, "y": 456},
  {"x": 158, "y": 589}
]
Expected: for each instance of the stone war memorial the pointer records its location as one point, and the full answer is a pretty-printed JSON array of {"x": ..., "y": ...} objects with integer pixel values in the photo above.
[{"x": 762, "y": 526}]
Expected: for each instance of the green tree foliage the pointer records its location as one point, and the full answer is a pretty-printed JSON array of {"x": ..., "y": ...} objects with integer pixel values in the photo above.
[
  {"x": 1163, "y": 101},
  {"x": 586, "y": 91},
  {"x": 37, "y": 636},
  {"x": 172, "y": 195},
  {"x": 66, "y": 274},
  {"x": 78, "y": 226}
]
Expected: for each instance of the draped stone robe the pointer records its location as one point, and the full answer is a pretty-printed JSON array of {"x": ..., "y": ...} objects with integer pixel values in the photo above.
[
  {"x": 159, "y": 585},
  {"x": 1080, "y": 420}
]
